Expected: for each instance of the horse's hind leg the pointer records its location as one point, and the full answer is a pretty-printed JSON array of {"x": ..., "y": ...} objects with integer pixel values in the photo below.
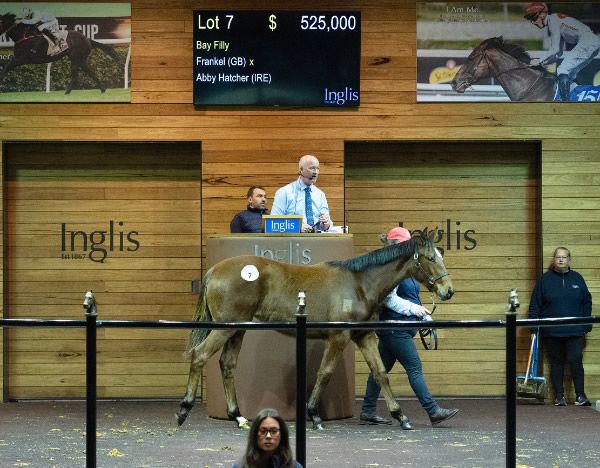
[
  {"x": 227, "y": 362},
  {"x": 367, "y": 343},
  {"x": 99, "y": 83},
  {"x": 334, "y": 345},
  {"x": 200, "y": 355}
]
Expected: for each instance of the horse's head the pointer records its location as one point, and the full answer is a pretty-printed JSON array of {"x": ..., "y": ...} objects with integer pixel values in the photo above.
[
  {"x": 490, "y": 58},
  {"x": 6, "y": 21},
  {"x": 475, "y": 67},
  {"x": 429, "y": 264}
]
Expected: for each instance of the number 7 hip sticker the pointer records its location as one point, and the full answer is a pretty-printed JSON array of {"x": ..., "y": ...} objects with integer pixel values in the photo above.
[{"x": 249, "y": 273}]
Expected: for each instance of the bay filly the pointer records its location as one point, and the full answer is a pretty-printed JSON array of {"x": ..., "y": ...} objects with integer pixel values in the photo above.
[{"x": 246, "y": 288}]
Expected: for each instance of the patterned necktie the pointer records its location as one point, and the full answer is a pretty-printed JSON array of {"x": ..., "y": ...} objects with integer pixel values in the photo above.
[{"x": 308, "y": 207}]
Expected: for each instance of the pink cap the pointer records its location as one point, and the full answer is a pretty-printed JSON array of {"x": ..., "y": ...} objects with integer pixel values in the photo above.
[{"x": 399, "y": 233}]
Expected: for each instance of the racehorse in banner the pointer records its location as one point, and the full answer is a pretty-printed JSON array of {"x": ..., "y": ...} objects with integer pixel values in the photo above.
[
  {"x": 246, "y": 288},
  {"x": 32, "y": 47},
  {"x": 509, "y": 65}
]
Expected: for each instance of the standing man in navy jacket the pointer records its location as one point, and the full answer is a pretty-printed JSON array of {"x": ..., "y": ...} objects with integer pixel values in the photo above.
[{"x": 562, "y": 292}]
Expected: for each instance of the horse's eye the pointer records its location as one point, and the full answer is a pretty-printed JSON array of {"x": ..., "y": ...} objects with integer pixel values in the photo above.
[{"x": 431, "y": 259}]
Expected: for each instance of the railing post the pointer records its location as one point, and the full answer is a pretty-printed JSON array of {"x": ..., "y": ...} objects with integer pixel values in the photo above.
[
  {"x": 511, "y": 388},
  {"x": 91, "y": 313},
  {"x": 301, "y": 379}
]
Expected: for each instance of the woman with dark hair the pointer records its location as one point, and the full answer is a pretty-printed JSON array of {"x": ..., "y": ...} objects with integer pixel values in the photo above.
[{"x": 268, "y": 443}]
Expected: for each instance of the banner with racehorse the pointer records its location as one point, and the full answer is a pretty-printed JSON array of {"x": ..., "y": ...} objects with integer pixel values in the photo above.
[
  {"x": 65, "y": 52},
  {"x": 520, "y": 52}
]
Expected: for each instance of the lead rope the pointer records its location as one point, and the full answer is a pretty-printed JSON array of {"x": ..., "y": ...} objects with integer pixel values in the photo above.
[{"x": 430, "y": 343}]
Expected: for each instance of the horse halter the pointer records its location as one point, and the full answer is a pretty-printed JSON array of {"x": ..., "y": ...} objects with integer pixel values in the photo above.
[{"x": 430, "y": 279}]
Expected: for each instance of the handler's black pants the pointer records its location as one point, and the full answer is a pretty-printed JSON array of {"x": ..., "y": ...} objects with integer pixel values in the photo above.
[{"x": 565, "y": 349}]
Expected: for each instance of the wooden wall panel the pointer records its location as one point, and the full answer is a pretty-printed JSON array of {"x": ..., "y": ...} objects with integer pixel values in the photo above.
[
  {"x": 483, "y": 197},
  {"x": 3, "y": 331},
  {"x": 148, "y": 196},
  {"x": 242, "y": 146}
]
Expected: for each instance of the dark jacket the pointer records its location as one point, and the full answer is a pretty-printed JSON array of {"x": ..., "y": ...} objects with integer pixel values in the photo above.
[
  {"x": 559, "y": 295},
  {"x": 408, "y": 289},
  {"x": 249, "y": 220}
]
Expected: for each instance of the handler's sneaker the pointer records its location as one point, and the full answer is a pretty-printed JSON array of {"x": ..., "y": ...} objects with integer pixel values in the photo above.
[
  {"x": 560, "y": 401},
  {"x": 442, "y": 414},
  {"x": 582, "y": 400},
  {"x": 373, "y": 419}
]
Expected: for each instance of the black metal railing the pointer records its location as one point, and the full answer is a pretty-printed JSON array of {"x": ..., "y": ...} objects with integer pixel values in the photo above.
[{"x": 301, "y": 325}]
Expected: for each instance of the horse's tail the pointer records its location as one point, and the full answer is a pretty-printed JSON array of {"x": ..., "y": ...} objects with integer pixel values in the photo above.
[
  {"x": 198, "y": 335},
  {"x": 109, "y": 49}
]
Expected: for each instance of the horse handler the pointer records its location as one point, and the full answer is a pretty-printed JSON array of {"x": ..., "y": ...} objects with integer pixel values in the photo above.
[{"x": 403, "y": 303}]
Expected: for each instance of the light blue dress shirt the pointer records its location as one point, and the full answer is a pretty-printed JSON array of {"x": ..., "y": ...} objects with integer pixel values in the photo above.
[{"x": 289, "y": 200}]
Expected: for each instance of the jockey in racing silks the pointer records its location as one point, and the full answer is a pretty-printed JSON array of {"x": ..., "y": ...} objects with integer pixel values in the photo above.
[
  {"x": 562, "y": 30},
  {"x": 44, "y": 21}
]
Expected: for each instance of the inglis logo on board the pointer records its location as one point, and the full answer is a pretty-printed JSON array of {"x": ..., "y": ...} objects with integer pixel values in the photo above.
[
  {"x": 340, "y": 97},
  {"x": 78, "y": 244},
  {"x": 295, "y": 255},
  {"x": 455, "y": 238}
]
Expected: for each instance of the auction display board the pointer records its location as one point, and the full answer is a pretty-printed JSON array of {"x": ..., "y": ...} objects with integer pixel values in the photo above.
[{"x": 271, "y": 58}]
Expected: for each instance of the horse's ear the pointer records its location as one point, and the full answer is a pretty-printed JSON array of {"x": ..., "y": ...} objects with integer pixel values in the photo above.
[
  {"x": 383, "y": 238},
  {"x": 420, "y": 235},
  {"x": 435, "y": 235}
]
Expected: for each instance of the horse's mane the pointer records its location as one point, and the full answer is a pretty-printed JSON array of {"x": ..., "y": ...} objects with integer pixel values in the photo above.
[
  {"x": 514, "y": 50},
  {"x": 377, "y": 257}
]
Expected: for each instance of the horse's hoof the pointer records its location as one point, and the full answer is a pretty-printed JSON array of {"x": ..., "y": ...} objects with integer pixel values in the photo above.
[
  {"x": 242, "y": 422},
  {"x": 318, "y": 427},
  {"x": 180, "y": 418},
  {"x": 405, "y": 423}
]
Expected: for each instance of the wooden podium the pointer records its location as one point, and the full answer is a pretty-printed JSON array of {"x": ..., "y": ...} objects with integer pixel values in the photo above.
[{"x": 265, "y": 375}]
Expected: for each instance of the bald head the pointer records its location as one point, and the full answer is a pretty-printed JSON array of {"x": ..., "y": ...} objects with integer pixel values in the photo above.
[{"x": 308, "y": 168}]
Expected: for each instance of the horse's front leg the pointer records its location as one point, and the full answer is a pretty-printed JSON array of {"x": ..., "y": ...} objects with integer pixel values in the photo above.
[
  {"x": 200, "y": 355},
  {"x": 334, "y": 345},
  {"x": 73, "y": 80},
  {"x": 227, "y": 362},
  {"x": 8, "y": 67},
  {"x": 367, "y": 343}
]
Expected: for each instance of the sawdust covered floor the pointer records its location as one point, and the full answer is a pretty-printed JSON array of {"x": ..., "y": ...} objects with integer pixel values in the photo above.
[{"x": 144, "y": 434}]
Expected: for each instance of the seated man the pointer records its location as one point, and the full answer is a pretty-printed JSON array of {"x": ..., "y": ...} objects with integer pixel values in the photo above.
[
  {"x": 302, "y": 197},
  {"x": 250, "y": 220}
]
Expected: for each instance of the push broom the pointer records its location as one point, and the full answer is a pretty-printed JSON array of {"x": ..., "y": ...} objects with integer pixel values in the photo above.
[{"x": 530, "y": 385}]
